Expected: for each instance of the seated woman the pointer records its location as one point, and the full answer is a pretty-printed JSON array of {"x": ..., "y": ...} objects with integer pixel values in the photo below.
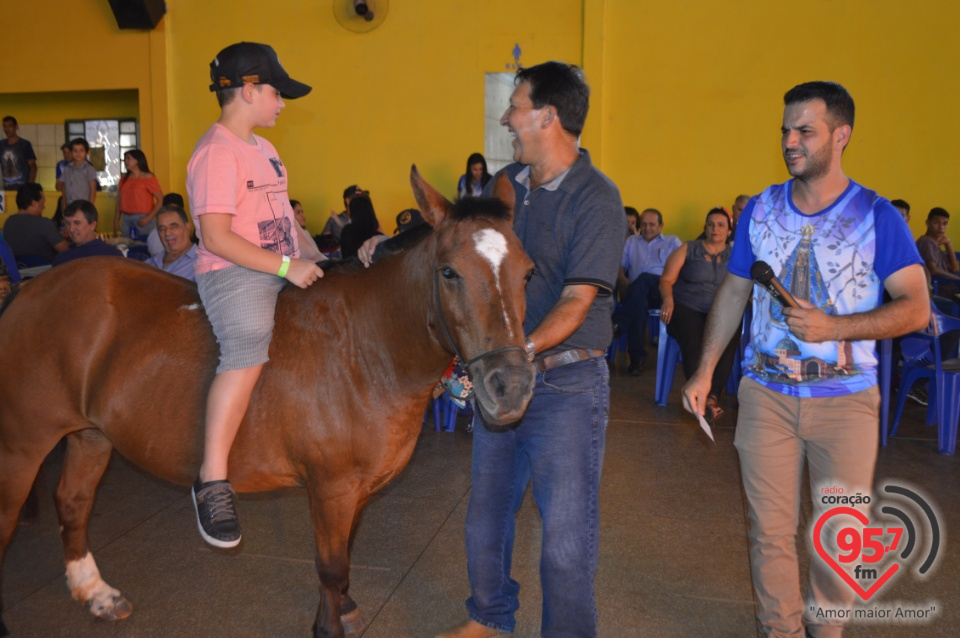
[
  {"x": 363, "y": 225},
  {"x": 690, "y": 280},
  {"x": 472, "y": 182}
]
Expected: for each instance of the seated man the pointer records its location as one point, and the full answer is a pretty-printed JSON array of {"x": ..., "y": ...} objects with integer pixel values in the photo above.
[
  {"x": 643, "y": 258},
  {"x": 179, "y": 253},
  {"x": 80, "y": 219},
  {"x": 154, "y": 245},
  {"x": 28, "y": 232},
  {"x": 937, "y": 252}
]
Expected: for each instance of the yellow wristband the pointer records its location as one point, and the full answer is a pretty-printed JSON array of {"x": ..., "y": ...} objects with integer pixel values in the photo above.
[{"x": 284, "y": 266}]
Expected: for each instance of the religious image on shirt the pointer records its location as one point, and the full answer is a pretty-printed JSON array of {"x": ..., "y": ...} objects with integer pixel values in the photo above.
[
  {"x": 790, "y": 361},
  {"x": 11, "y": 169}
]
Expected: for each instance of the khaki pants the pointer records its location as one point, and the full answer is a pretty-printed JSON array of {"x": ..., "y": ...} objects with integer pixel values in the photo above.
[{"x": 837, "y": 436}]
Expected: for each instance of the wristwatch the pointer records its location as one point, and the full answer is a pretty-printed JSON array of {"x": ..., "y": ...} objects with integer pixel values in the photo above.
[{"x": 531, "y": 350}]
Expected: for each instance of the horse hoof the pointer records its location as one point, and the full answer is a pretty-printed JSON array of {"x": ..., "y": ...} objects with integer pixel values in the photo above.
[
  {"x": 114, "y": 608},
  {"x": 352, "y": 622}
]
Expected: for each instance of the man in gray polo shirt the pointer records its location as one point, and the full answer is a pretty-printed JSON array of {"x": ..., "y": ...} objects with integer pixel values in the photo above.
[
  {"x": 570, "y": 219},
  {"x": 28, "y": 232}
]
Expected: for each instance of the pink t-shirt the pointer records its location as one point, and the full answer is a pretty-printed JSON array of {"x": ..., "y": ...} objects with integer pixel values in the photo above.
[{"x": 248, "y": 181}]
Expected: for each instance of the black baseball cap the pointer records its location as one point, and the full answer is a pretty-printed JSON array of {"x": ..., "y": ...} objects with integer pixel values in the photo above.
[
  {"x": 407, "y": 219},
  {"x": 254, "y": 63}
]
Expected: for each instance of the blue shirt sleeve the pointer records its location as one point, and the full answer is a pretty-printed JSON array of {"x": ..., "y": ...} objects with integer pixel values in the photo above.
[
  {"x": 672, "y": 245},
  {"x": 742, "y": 257},
  {"x": 895, "y": 246}
]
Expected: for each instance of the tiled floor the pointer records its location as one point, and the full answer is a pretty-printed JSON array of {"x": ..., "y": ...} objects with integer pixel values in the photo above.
[{"x": 673, "y": 546}]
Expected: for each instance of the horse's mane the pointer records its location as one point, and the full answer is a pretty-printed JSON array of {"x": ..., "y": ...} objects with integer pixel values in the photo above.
[
  {"x": 480, "y": 207},
  {"x": 468, "y": 208}
]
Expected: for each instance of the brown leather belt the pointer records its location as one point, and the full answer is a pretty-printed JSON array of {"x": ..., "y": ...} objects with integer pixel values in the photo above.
[{"x": 567, "y": 357}]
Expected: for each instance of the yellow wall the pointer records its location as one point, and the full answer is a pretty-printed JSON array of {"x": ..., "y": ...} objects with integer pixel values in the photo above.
[
  {"x": 694, "y": 98},
  {"x": 686, "y": 95},
  {"x": 57, "y": 106}
]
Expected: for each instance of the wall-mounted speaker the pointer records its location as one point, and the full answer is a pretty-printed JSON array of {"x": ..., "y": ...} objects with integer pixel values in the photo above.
[{"x": 138, "y": 14}]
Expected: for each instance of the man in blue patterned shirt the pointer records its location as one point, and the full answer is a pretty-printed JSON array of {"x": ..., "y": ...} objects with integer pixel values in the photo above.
[{"x": 810, "y": 392}]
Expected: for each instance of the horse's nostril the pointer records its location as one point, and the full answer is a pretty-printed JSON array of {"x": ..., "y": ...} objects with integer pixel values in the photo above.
[
  {"x": 511, "y": 383},
  {"x": 497, "y": 384}
]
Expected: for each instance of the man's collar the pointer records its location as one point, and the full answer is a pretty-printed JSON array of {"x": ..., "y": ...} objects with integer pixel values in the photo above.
[
  {"x": 568, "y": 181},
  {"x": 523, "y": 178},
  {"x": 178, "y": 257}
]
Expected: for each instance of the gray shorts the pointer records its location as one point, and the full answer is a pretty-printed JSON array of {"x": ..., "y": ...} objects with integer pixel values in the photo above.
[{"x": 240, "y": 304}]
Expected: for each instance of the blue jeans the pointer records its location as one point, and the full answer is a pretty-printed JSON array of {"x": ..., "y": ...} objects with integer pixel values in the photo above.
[
  {"x": 642, "y": 295},
  {"x": 558, "y": 447},
  {"x": 128, "y": 221}
]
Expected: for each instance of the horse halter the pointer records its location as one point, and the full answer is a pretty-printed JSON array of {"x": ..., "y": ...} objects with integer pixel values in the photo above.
[{"x": 446, "y": 332}]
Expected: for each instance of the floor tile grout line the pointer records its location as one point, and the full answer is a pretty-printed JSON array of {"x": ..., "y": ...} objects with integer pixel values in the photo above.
[{"x": 403, "y": 577}]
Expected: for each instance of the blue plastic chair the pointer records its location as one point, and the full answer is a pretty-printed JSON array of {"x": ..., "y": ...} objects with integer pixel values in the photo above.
[
  {"x": 653, "y": 326},
  {"x": 942, "y": 287},
  {"x": 445, "y": 413},
  {"x": 668, "y": 354},
  {"x": 6, "y": 255},
  {"x": 923, "y": 359}
]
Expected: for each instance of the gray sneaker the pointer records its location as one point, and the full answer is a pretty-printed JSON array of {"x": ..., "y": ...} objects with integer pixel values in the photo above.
[
  {"x": 918, "y": 394},
  {"x": 216, "y": 514}
]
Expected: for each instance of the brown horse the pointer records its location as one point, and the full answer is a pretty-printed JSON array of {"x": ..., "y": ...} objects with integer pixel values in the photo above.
[{"x": 386, "y": 333}]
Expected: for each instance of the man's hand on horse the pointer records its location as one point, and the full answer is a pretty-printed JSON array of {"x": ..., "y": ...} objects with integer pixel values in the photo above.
[
  {"x": 368, "y": 248},
  {"x": 303, "y": 272}
]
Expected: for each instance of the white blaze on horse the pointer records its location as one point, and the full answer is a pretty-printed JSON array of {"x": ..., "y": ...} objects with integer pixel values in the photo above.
[{"x": 387, "y": 332}]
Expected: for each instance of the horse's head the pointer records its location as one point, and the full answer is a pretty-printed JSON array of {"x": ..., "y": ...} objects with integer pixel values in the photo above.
[{"x": 480, "y": 271}]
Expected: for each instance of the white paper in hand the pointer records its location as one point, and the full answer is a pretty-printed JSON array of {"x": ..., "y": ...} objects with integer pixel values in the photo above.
[{"x": 705, "y": 427}]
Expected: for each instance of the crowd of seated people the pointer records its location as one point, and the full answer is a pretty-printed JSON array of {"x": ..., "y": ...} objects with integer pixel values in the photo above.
[
  {"x": 648, "y": 253},
  {"x": 683, "y": 282}
]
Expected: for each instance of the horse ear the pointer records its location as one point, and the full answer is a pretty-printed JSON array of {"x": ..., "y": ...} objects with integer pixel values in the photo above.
[
  {"x": 503, "y": 190},
  {"x": 432, "y": 204}
]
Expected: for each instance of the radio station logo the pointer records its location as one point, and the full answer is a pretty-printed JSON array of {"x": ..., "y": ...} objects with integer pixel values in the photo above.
[{"x": 868, "y": 554}]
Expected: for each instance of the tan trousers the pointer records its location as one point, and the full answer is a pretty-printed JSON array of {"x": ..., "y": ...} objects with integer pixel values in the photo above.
[{"x": 837, "y": 436}]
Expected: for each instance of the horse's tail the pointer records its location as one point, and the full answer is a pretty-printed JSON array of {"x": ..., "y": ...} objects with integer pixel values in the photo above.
[{"x": 8, "y": 301}]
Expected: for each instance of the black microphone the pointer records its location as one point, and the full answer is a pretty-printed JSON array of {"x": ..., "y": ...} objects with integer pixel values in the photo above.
[{"x": 762, "y": 273}]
